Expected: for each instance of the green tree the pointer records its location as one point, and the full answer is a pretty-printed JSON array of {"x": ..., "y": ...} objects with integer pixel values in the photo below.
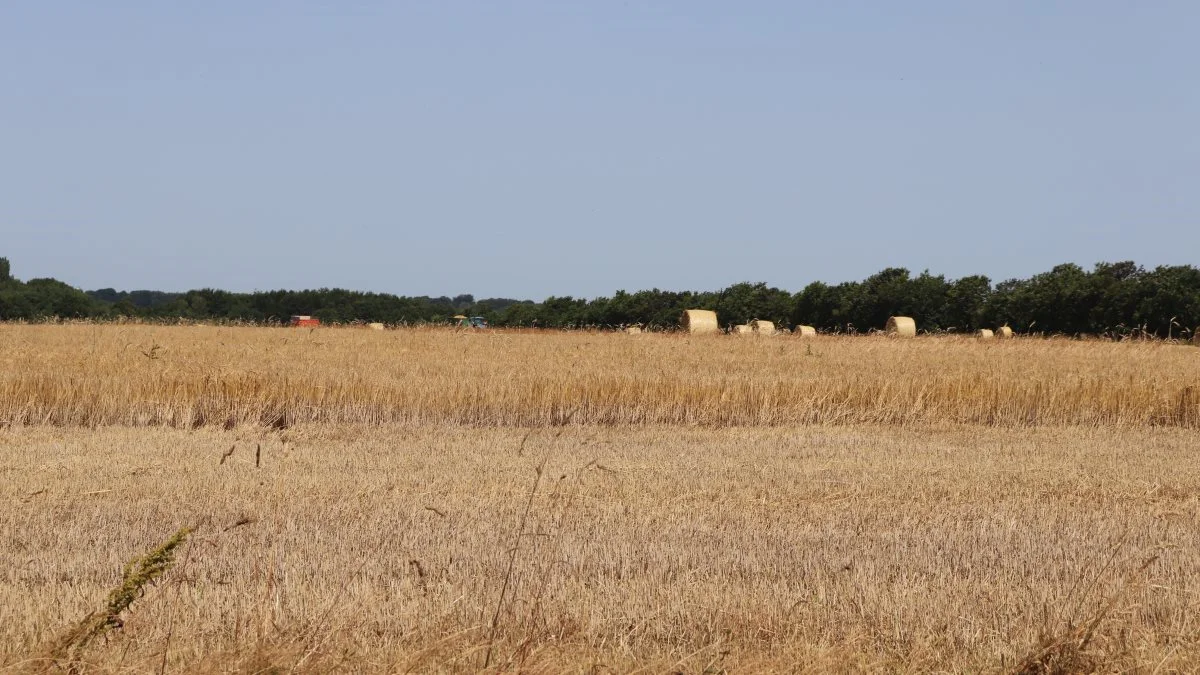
[
  {"x": 817, "y": 305},
  {"x": 926, "y": 299},
  {"x": 51, "y": 297},
  {"x": 745, "y": 302},
  {"x": 1057, "y": 300},
  {"x": 124, "y": 307},
  {"x": 880, "y": 296},
  {"x": 1169, "y": 293},
  {"x": 521, "y": 314},
  {"x": 1113, "y": 295},
  {"x": 966, "y": 300}
]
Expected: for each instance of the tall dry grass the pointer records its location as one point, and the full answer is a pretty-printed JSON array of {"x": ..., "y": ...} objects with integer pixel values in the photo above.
[
  {"x": 664, "y": 549},
  {"x": 93, "y": 375}
]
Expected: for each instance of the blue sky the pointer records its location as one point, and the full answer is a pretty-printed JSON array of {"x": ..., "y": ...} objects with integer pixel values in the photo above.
[{"x": 524, "y": 149}]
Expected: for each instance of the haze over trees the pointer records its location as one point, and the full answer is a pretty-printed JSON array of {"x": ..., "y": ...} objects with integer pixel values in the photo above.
[{"x": 1114, "y": 298}]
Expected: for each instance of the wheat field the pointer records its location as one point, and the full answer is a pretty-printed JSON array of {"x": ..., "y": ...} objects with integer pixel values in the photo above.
[
  {"x": 97, "y": 375},
  {"x": 441, "y": 501}
]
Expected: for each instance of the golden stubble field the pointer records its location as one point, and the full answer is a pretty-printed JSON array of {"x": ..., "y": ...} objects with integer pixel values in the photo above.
[{"x": 703, "y": 505}]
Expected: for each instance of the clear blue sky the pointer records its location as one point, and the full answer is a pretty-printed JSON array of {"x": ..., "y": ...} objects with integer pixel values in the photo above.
[{"x": 525, "y": 149}]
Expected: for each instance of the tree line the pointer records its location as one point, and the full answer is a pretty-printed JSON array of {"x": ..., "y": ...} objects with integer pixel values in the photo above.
[{"x": 1120, "y": 298}]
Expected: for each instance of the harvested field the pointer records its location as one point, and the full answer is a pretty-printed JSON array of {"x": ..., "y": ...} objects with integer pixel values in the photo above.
[
  {"x": 666, "y": 548},
  {"x": 372, "y": 502}
]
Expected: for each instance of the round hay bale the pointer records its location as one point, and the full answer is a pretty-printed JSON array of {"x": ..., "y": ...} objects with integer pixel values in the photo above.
[
  {"x": 743, "y": 329},
  {"x": 985, "y": 334},
  {"x": 633, "y": 330},
  {"x": 375, "y": 326},
  {"x": 901, "y": 326},
  {"x": 1196, "y": 336},
  {"x": 697, "y": 321},
  {"x": 805, "y": 331},
  {"x": 1004, "y": 332},
  {"x": 763, "y": 327}
]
